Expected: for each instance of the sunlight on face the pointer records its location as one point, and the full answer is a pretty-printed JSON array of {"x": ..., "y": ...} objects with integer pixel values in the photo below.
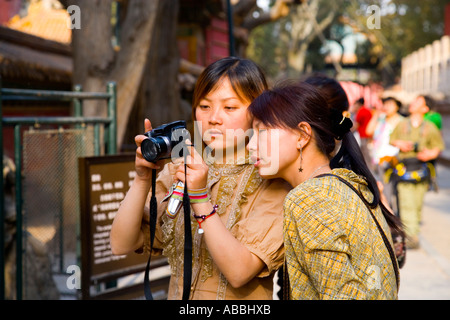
[
  {"x": 272, "y": 150},
  {"x": 223, "y": 120}
]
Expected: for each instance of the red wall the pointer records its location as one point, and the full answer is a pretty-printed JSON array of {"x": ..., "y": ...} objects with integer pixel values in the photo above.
[
  {"x": 8, "y": 8},
  {"x": 216, "y": 40}
]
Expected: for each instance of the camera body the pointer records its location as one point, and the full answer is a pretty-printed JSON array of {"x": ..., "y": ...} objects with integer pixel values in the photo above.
[{"x": 163, "y": 139}]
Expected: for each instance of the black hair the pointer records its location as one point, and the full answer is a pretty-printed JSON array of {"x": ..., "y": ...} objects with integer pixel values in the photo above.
[
  {"x": 429, "y": 101},
  {"x": 331, "y": 90},
  {"x": 246, "y": 77},
  {"x": 397, "y": 102},
  {"x": 360, "y": 101}
]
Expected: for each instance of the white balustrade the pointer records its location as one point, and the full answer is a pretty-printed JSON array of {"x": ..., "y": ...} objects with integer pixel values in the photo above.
[{"x": 427, "y": 70}]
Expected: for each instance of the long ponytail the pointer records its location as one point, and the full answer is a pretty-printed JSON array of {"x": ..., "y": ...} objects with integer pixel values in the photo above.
[{"x": 350, "y": 157}]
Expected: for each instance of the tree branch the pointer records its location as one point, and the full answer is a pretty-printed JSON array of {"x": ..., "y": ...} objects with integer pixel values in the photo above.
[{"x": 280, "y": 9}]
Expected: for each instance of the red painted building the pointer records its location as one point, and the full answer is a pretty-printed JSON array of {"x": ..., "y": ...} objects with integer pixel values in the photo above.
[
  {"x": 8, "y": 9},
  {"x": 202, "y": 39}
]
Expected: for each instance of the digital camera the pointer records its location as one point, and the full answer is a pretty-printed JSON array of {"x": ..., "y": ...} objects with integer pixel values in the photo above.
[{"x": 163, "y": 139}]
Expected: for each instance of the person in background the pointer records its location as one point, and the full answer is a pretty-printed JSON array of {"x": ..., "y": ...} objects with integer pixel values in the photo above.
[
  {"x": 432, "y": 115},
  {"x": 380, "y": 127},
  {"x": 420, "y": 142},
  {"x": 362, "y": 119}
]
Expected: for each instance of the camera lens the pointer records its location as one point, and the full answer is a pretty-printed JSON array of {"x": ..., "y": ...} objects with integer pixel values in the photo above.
[{"x": 154, "y": 149}]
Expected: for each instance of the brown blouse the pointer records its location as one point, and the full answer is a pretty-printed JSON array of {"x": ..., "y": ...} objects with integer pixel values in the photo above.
[{"x": 250, "y": 207}]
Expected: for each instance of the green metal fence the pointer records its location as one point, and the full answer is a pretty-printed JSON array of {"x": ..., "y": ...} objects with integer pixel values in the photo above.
[{"x": 34, "y": 143}]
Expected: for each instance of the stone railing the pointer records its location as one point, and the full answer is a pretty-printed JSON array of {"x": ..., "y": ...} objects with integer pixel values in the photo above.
[{"x": 427, "y": 70}]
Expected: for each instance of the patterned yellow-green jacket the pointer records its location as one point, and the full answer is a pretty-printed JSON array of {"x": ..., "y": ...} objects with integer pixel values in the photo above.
[{"x": 334, "y": 250}]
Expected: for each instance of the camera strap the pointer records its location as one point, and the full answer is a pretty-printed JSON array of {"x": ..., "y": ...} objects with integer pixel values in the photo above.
[
  {"x": 187, "y": 272},
  {"x": 152, "y": 220}
]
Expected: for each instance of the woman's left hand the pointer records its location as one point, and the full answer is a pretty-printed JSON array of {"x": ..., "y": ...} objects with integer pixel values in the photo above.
[{"x": 197, "y": 169}]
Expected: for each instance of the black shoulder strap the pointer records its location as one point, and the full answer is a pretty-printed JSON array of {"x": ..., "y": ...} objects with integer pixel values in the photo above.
[
  {"x": 152, "y": 220},
  {"x": 286, "y": 284},
  {"x": 187, "y": 271},
  {"x": 383, "y": 235},
  {"x": 187, "y": 275}
]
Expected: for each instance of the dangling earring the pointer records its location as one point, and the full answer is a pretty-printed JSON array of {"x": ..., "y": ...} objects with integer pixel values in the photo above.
[{"x": 301, "y": 159}]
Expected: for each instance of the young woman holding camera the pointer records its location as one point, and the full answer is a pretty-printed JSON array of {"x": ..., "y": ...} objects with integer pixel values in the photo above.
[
  {"x": 336, "y": 230},
  {"x": 236, "y": 218}
]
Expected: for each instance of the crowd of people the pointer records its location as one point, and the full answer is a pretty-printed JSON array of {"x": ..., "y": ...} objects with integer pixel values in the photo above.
[
  {"x": 402, "y": 150},
  {"x": 298, "y": 194}
]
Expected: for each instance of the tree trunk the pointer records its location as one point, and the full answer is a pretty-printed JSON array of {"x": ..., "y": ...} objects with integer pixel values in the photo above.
[
  {"x": 158, "y": 98},
  {"x": 304, "y": 28},
  {"x": 96, "y": 61},
  {"x": 93, "y": 54},
  {"x": 162, "y": 92},
  {"x": 296, "y": 59}
]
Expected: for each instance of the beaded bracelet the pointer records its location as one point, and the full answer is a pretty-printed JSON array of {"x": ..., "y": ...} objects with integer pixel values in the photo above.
[{"x": 204, "y": 217}]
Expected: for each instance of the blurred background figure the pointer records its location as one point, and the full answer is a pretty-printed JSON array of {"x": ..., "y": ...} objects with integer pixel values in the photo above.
[
  {"x": 380, "y": 127},
  {"x": 432, "y": 115},
  {"x": 420, "y": 143},
  {"x": 362, "y": 118}
]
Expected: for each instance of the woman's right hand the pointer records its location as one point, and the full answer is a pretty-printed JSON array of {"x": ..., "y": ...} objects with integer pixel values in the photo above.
[{"x": 142, "y": 166}]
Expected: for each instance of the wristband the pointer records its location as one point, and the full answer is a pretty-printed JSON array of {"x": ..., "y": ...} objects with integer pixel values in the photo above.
[
  {"x": 203, "y": 218},
  {"x": 198, "y": 195},
  {"x": 195, "y": 195}
]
